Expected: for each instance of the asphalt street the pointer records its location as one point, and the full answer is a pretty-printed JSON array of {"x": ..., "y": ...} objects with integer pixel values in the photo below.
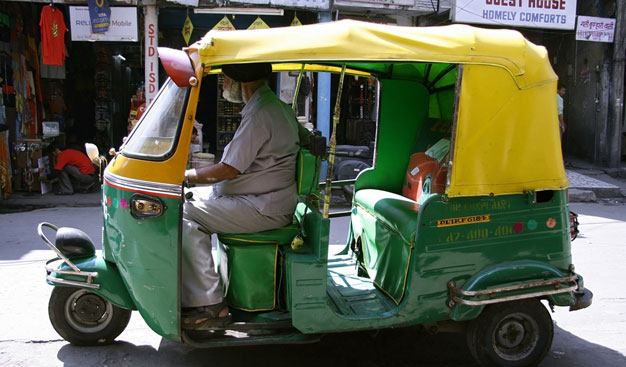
[{"x": 591, "y": 337}]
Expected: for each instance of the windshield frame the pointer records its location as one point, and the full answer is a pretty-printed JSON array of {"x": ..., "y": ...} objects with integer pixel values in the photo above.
[{"x": 165, "y": 156}]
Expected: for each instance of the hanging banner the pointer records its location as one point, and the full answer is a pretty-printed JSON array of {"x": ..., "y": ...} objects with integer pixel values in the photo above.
[
  {"x": 187, "y": 29},
  {"x": 547, "y": 14},
  {"x": 224, "y": 25},
  {"x": 258, "y": 24},
  {"x": 122, "y": 27},
  {"x": 99, "y": 14},
  {"x": 295, "y": 22},
  {"x": 595, "y": 29}
]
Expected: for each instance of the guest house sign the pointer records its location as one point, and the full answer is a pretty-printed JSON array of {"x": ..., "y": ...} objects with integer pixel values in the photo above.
[{"x": 552, "y": 14}]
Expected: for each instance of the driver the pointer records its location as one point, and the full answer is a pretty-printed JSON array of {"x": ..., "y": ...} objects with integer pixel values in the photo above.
[{"x": 252, "y": 189}]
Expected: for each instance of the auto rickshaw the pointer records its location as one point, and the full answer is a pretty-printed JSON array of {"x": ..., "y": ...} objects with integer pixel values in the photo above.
[{"x": 462, "y": 221}]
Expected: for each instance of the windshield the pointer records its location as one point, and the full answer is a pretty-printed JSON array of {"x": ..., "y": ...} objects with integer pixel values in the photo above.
[{"x": 156, "y": 132}]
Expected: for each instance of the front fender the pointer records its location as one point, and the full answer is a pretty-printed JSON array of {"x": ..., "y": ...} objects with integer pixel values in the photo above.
[
  {"x": 110, "y": 284},
  {"x": 512, "y": 280}
]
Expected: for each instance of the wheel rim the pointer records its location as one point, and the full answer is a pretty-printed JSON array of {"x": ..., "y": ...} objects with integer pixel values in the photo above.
[
  {"x": 87, "y": 312},
  {"x": 515, "y": 337}
]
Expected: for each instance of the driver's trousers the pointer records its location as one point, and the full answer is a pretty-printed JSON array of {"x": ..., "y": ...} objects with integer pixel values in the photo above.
[{"x": 204, "y": 215}]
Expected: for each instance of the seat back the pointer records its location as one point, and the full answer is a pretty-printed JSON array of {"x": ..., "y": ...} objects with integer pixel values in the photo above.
[
  {"x": 307, "y": 174},
  {"x": 426, "y": 173}
]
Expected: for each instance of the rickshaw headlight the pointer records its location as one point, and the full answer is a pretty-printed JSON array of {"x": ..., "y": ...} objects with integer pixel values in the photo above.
[{"x": 144, "y": 206}]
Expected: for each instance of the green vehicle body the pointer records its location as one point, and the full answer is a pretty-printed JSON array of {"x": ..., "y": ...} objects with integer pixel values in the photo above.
[
  {"x": 405, "y": 263},
  {"x": 139, "y": 267}
]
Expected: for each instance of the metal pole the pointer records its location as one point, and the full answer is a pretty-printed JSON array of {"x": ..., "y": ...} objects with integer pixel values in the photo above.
[
  {"x": 295, "y": 93},
  {"x": 333, "y": 145},
  {"x": 616, "y": 106},
  {"x": 323, "y": 94}
]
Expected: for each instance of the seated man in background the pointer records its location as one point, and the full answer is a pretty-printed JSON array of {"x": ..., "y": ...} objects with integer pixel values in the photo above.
[{"x": 73, "y": 171}]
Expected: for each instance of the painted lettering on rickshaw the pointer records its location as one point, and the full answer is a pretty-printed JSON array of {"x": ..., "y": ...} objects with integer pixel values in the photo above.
[
  {"x": 479, "y": 233},
  {"x": 491, "y": 205},
  {"x": 463, "y": 220}
]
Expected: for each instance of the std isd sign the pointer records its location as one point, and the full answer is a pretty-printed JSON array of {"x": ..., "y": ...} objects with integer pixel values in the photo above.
[{"x": 550, "y": 14}]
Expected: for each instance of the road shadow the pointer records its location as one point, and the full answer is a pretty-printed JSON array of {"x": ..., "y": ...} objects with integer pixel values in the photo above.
[
  {"x": 18, "y": 231},
  {"x": 399, "y": 347}
]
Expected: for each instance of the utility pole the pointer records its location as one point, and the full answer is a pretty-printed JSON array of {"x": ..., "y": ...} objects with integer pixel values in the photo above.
[{"x": 616, "y": 105}]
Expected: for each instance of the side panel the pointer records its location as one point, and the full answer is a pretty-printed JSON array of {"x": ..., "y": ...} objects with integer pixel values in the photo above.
[
  {"x": 507, "y": 139},
  {"x": 146, "y": 253},
  {"x": 459, "y": 237}
]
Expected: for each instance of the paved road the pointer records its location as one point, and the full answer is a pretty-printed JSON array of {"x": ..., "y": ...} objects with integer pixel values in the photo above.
[{"x": 592, "y": 337}]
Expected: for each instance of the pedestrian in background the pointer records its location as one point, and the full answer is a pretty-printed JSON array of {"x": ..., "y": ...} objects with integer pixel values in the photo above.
[
  {"x": 560, "y": 92},
  {"x": 73, "y": 171}
]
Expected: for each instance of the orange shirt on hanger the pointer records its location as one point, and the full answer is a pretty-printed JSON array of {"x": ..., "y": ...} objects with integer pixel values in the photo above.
[{"x": 52, "y": 35}]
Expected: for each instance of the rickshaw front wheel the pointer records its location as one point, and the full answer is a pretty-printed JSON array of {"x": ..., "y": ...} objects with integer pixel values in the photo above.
[
  {"x": 511, "y": 334},
  {"x": 84, "y": 318}
]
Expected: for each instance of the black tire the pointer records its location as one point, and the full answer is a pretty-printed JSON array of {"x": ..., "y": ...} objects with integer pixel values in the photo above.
[
  {"x": 84, "y": 318},
  {"x": 511, "y": 334}
]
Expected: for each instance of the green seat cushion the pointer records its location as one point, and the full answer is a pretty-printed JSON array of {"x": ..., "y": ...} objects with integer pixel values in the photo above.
[
  {"x": 395, "y": 211},
  {"x": 281, "y": 236},
  {"x": 249, "y": 267}
]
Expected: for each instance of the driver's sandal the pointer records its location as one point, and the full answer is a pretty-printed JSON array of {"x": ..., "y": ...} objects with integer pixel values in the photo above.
[{"x": 206, "y": 317}]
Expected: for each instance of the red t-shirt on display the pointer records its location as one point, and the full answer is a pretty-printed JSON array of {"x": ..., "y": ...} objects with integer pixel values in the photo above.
[
  {"x": 75, "y": 158},
  {"x": 52, "y": 35}
]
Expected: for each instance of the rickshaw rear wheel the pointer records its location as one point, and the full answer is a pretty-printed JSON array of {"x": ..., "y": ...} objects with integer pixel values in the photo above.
[
  {"x": 84, "y": 318},
  {"x": 511, "y": 334}
]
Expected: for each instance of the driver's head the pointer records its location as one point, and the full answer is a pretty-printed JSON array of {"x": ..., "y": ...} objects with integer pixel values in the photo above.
[
  {"x": 246, "y": 73},
  {"x": 237, "y": 74}
]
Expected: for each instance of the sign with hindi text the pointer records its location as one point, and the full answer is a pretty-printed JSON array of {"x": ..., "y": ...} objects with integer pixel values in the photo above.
[
  {"x": 548, "y": 14},
  {"x": 595, "y": 29}
]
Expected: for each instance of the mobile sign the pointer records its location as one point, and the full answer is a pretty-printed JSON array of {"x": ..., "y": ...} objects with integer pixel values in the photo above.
[
  {"x": 122, "y": 26},
  {"x": 553, "y": 14}
]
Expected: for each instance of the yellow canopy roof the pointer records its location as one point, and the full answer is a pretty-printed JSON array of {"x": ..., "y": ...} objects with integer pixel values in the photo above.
[
  {"x": 507, "y": 137},
  {"x": 358, "y": 42}
]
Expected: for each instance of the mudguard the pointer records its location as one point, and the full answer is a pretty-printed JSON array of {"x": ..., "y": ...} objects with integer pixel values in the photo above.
[
  {"x": 107, "y": 283},
  {"x": 510, "y": 281}
]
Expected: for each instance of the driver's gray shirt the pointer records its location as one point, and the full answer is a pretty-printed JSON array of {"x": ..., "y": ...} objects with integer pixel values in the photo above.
[{"x": 264, "y": 150}]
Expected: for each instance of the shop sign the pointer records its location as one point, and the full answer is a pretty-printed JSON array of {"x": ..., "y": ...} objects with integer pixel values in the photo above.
[
  {"x": 307, "y": 4},
  {"x": 258, "y": 24},
  {"x": 595, "y": 29},
  {"x": 192, "y": 3},
  {"x": 99, "y": 14},
  {"x": 295, "y": 22},
  {"x": 151, "y": 44},
  {"x": 224, "y": 25},
  {"x": 122, "y": 27},
  {"x": 549, "y": 14},
  {"x": 187, "y": 29}
]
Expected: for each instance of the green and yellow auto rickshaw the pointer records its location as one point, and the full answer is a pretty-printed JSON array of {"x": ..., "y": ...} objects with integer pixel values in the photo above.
[{"x": 463, "y": 219}]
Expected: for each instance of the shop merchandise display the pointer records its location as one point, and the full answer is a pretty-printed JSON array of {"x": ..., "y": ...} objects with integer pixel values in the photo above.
[{"x": 53, "y": 31}]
